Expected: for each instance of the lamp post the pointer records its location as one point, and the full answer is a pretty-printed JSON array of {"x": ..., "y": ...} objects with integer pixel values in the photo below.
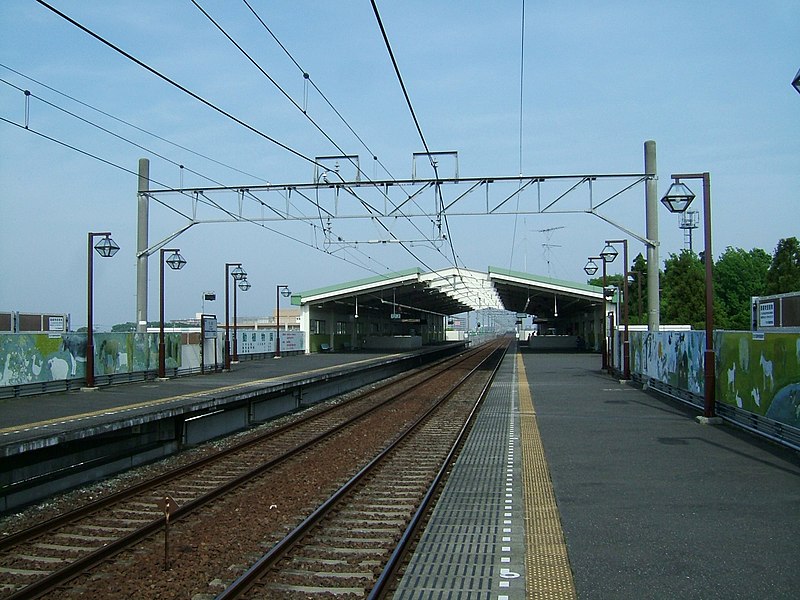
[
  {"x": 238, "y": 274},
  {"x": 105, "y": 248},
  {"x": 243, "y": 285},
  {"x": 609, "y": 253},
  {"x": 176, "y": 262},
  {"x": 677, "y": 199},
  {"x": 281, "y": 290},
  {"x": 591, "y": 269}
]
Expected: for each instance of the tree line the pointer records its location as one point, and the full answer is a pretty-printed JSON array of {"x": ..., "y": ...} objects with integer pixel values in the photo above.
[{"x": 738, "y": 275}]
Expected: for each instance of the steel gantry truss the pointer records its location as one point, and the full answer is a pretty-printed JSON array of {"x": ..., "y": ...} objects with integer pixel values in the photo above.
[
  {"x": 324, "y": 200},
  {"x": 399, "y": 209}
]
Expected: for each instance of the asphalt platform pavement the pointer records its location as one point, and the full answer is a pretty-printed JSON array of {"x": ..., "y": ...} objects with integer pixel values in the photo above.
[{"x": 656, "y": 505}]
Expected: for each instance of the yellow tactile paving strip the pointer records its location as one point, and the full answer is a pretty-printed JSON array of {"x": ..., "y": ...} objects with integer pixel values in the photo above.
[{"x": 547, "y": 570}]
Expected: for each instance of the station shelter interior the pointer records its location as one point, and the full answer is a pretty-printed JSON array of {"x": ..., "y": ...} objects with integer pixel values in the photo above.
[{"x": 413, "y": 308}]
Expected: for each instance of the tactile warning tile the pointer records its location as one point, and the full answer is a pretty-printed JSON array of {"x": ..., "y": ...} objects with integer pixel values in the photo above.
[
  {"x": 473, "y": 545},
  {"x": 547, "y": 570}
]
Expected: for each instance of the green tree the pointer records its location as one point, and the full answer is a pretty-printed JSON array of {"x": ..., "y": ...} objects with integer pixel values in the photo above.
[
  {"x": 637, "y": 280},
  {"x": 638, "y": 290},
  {"x": 738, "y": 276},
  {"x": 784, "y": 272},
  {"x": 683, "y": 290}
]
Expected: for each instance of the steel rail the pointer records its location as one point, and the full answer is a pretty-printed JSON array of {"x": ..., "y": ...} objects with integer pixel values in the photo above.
[
  {"x": 75, "y": 568},
  {"x": 18, "y": 537},
  {"x": 399, "y": 553},
  {"x": 250, "y": 577}
]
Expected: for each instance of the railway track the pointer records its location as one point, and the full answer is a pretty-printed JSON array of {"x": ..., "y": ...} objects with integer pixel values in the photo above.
[
  {"x": 46, "y": 557},
  {"x": 353, "y": 543}
]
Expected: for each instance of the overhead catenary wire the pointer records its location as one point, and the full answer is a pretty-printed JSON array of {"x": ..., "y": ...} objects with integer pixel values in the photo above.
[
  {"x": 521, "y": 130},
  {"x": 177, "y": 85},
  {"x": 416, "y": 123},
  {"x": 173, "y": 209},
  {"x": 307, "y": 78},
  {"x": 128, "y": 124},
  {"x": 29, "y": 94},
  {"x": 180, "y": 87},
  {"x": 131, "y": 125},
  {"x": 198, "y": 197},
  {"x": 219, "y": 110},
  {"x": 370, "y": 208}
]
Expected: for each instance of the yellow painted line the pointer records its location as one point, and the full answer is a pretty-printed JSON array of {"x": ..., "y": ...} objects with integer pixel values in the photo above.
[
  {"x": 129, "y": 407},
  {"x": 547, "y": 570}
]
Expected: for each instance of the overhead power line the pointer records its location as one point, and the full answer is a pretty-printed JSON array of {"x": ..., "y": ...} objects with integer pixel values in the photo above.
[
  {"x": 131, "y": 125},
  {"x": 215, "y": 108},
  {"x": 175, "y": 84},
  {"x": 521, "y": 106},
  {"x": 239, "y": 47},
  {"x": 203, "y": 200},
  {"x": 418, "y": 126},
  {"x": 307, "y": 77}
]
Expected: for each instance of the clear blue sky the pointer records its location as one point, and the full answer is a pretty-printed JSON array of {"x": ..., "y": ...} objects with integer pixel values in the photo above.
[{"x": 708, "y": 81}]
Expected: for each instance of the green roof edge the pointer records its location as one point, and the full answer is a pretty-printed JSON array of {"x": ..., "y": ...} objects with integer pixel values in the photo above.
[
  {"x": 542, "y": 279},
  {"x": 356, "y": 283}
]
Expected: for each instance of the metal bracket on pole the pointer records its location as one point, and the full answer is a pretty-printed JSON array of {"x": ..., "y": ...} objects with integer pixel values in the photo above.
[{"x": 156, "y": 247}]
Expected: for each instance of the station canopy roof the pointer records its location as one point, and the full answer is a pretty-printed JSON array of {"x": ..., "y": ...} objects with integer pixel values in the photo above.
[{"x": 454, "y": 291}]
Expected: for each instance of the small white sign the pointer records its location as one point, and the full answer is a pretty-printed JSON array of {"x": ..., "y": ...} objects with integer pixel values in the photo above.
[
  {"x": 766, "y": 314},
  {"x": 210, "y": 328}
]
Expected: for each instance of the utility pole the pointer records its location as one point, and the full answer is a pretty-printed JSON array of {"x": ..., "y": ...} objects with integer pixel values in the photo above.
[
  {"x": 141, "y": 245},
  {"x": 651, "y": 202}
]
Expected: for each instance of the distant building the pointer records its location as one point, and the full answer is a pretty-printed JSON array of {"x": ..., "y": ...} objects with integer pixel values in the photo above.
[
  {"x": 780, "y": 312},
  {"x": 19, "y": 322},
  {"x": 289, "y": 320}
]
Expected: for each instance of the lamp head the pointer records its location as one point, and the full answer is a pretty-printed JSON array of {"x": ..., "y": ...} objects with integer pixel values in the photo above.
[
  {"x": 678, "y": 197},
  {"x": 176, "y": 261},
  {"x": 106, "y": 247},
  {"x": 609, "y": 253},
  {"x": 239, "y": 273}
]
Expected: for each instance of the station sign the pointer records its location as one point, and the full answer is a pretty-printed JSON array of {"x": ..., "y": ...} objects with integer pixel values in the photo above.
[
  {"x": 209, "y": 328},
  {"x": 766, "y": 314}
]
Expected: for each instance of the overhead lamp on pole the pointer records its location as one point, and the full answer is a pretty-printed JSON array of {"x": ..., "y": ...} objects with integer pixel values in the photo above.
[
  {"x": 243, "y": 285},
  {"x": 106, "y": 248},
  {"x": 281, "y": 290},
  {"x": 176, "y": 262},
  {"x": 591, "y": 269},
  {"x": 677, "y": 199},
  {"x": 796, "y": 82},
  {"x": 238, "y": 274},
  {"x": 609, "y": 253}
]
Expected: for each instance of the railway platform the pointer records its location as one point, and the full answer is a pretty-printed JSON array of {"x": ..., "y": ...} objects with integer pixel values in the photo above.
[
  {"x": 28, "y": 418},
  {"x": 574, "y": 485},
  {"x": 52, "y": 442}
]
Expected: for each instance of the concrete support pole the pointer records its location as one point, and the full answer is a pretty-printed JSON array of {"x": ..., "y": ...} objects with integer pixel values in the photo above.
[
  {"x": 651, "y": 202},
  {"x": 142, "y": 245}
]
